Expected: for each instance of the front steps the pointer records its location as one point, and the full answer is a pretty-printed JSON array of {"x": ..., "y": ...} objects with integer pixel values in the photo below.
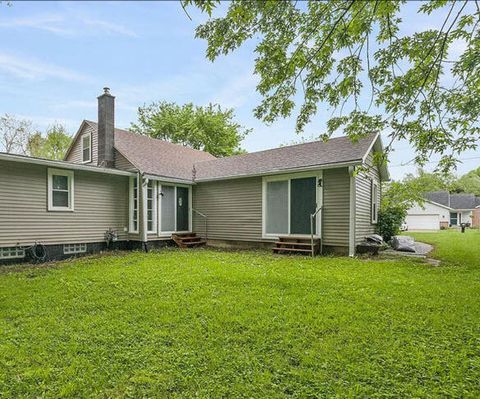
[
  {"x": 297, "y": 245},
  {"x": 188, "y": 240}
]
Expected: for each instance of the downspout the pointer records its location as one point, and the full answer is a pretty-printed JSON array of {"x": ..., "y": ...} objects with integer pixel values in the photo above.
[
  {"x": 143, "y": 222},
  {"x": 353, "y": 191}
]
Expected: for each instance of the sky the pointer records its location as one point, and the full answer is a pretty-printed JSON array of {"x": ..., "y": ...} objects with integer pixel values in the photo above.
[{"x": 55, "y": 58}]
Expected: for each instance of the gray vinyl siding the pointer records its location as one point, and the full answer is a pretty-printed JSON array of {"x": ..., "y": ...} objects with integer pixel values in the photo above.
[
  {"x": 76, "y": 152},
  {"x": 100, "y": 202},
  {"x": 336, "y": 207},
  {"x": 122, "y": 163},
  {"x": 233, "y": 208},
  {"x": 363, "y": 217}
]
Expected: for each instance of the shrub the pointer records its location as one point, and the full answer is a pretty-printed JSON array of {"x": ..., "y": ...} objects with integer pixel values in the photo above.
[{"x": 389, "y": 221}]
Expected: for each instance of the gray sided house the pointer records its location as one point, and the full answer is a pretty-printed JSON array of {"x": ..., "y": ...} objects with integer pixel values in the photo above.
[{"x": 147, "y": 189}]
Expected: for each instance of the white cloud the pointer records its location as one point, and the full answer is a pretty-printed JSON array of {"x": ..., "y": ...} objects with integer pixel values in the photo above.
[
  {"x": 35, "y": 69},
  {"x": 109, "y": 27},
  {"x": 48, "y": 22},
  {"x": 68, "y": 24}
]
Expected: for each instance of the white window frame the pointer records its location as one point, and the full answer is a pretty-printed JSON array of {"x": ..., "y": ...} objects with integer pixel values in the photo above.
[
  {"x": 154, "y": 206},
  {"x": 159, "y": 207},
  {"x": 70, "y": 175},
  {"x": 131, "y": 228},
  {"x": 319, "y": 200},
  {"x": 374, "y": 194},
  {"x": 12, "y": 253},
  {"x": 70, "y": 249},
  {"x": 89, "y": 149}
]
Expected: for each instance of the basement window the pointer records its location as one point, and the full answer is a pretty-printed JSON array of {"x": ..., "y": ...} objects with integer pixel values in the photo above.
[
  {"x": 12, "y": 253},
  {"x": 69, "y": 249},
  {"x": 60, "y": 190},
  {"x": 86, "y": 148}
]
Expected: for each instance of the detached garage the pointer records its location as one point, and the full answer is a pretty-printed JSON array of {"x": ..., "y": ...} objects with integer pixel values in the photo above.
[
  {"x": 423, "y": 222},
  {"x": 427, "y": 217}
]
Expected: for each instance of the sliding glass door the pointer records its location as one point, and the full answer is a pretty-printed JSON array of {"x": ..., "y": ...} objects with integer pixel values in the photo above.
[
  {"x": 174, "y": 207},
  {"x": 288, "y": 204}
]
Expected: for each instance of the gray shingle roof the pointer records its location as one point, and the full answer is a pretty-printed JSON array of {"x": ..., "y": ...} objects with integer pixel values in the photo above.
[
  {"x": 454, "y": 201},
  {"x": 440, "y": 197},
  {"x": 157, "y": 157},
  {"x": 317, "y": 153},
  {"x": 462, "y": 201},
  {"x": 162, "y": 158}
]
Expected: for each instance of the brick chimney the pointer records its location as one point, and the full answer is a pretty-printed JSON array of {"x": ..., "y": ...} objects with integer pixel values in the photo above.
[{"x": 106, "y": 126}]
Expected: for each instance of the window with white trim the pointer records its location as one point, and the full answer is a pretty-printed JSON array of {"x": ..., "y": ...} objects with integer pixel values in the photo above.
[
  {"x": 151, "y": 206},
  {"x": 60, "y": 190},
  {"x": 12, "y": 253},
  {"x": 74, "y": 249},
  {"x": 86, "y": 148},
  {"x": 133, "y": 205},
  {"x": 374, "y": 201}
]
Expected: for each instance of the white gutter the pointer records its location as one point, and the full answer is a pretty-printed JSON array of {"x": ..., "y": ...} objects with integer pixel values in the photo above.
[
  {"x": 62, "y": 164},
  {"x": 167, "y": 179},
  {"x": 282, "y": 171}
]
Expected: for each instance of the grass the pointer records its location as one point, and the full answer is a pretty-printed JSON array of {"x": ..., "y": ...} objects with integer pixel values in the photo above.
[{"x": 215, "y": 324}]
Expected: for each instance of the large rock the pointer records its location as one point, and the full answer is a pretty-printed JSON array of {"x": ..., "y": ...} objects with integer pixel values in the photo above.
[
  {"x": 403, "y": 243},
  {"x": 374, "y": 238}
]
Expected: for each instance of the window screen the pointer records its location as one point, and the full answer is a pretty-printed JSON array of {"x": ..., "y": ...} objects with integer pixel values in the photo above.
[
  {"x": 60, "y": 191},
  {"x": 168, "y": 208},
  {"x": 277, "y": 207},
  {"x": 151, "y": 205}
]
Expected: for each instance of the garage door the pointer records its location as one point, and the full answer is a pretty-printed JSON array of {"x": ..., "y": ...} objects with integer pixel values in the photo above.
[{"x": 423, "y": 222}]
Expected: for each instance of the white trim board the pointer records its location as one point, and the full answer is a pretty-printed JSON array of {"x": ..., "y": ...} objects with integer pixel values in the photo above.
[{"x": 70, "y": 182}]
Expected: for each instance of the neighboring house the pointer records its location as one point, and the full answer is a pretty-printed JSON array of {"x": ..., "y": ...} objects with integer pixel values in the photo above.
[
  {"x": 444, "y": 209},
  {"x": 146, "y": 189}
]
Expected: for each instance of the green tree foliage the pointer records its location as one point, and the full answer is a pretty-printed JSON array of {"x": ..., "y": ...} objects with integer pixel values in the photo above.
[
  {"x": 351, "y": 56},
  {"x": 207, "y": 128},
  {"x": 53, "y": 146},
  {"x": 412, "y": 188},
  {"x": 389, "y": 221},
  {"x": 468, "y": 183}
]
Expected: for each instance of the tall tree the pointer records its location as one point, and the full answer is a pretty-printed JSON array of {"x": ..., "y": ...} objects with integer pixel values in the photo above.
[
  {"x": 14, "y": 134},
  {"x": 53, "y": 146},
  {"x": 468, "y": 183},
  {"x": 207, "y": 128},
  {"x": 354, "y": 57}
]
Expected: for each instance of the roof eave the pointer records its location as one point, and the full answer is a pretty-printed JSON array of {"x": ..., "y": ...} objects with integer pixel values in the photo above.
[
  {"x": 377, "y": 141},
  {"x": 167, "y": 179},
  {"x": 283, "y": 171},
  {"x": 63, "y": 164}
]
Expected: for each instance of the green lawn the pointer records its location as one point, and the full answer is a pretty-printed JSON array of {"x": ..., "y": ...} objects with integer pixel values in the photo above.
[{"x": 217, "y": 324}]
